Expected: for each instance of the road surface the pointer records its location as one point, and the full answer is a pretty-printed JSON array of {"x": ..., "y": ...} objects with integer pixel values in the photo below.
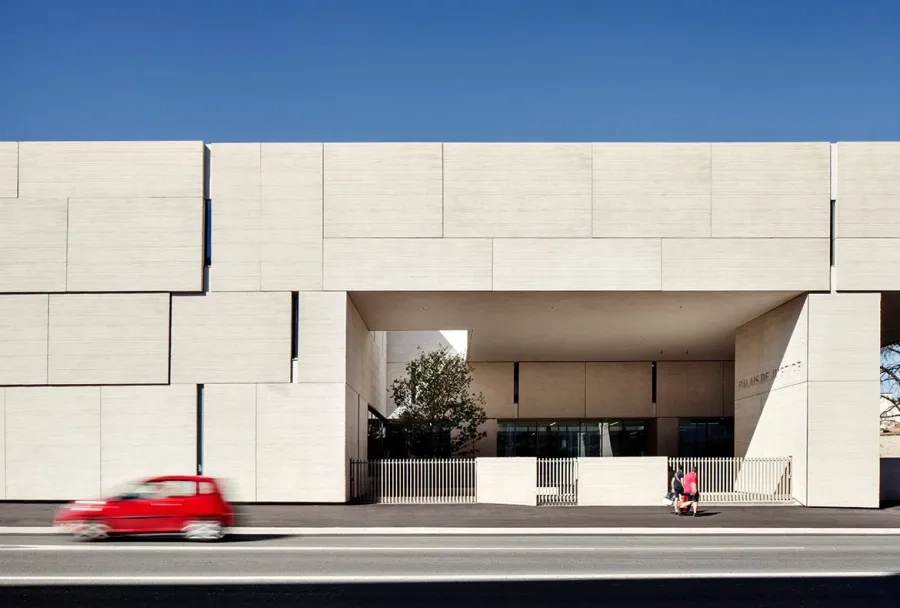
[{"x": 396, "y": 570}]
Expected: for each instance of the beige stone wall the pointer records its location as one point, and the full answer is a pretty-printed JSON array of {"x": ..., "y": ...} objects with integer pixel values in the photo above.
[{"x": 807, "y": 387}]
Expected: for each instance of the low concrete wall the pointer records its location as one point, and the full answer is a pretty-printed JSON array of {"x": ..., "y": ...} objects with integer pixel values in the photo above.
[
  {"x": 506, "y": 481},
  {"x": 890, "y": 479},
  {"x": 622, "y": 481}
]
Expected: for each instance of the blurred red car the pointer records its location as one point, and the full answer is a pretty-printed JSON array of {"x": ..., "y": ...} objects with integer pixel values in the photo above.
[{"x": 178, "y": 504}]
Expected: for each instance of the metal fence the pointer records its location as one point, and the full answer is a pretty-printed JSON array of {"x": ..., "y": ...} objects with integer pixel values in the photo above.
[
  {"x": 440, "y": 481},
  {"x": 557, "y": 481},
  {"x": 740, "y": 480}
]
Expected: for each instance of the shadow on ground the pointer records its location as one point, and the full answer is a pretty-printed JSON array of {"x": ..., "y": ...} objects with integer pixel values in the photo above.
[
  {"x": 871, "y": 592},
  {"x": 175, "y": 538}
]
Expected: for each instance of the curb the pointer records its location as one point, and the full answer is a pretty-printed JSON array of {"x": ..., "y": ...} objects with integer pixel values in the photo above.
[{"x": 449, "y": 531}]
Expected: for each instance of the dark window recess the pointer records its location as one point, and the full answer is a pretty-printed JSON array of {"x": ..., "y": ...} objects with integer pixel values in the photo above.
[
  {"x": 199, "y": 429},
  {"x": 516, "y": 382},
  {"x": 833, "y": 230},
  {"x": 653, "y": 382},
  {"x": 295, "y": 324},
  {"x": 573, "y": 438},
  {"x": 706, "y": 437},
  {"x": 207, "y": 232}
]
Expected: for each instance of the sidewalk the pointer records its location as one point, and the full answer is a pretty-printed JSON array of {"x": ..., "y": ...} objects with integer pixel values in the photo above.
[{"x": 501, "y": 516}]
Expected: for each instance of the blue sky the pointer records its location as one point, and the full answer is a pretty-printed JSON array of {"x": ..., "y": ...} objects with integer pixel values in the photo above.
[{"x": 440, "y": 70}]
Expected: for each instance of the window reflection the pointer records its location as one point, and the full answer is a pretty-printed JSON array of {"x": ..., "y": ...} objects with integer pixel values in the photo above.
[
  {"x": 706, "y": 437},
  {"x": 571, "y": 439}
]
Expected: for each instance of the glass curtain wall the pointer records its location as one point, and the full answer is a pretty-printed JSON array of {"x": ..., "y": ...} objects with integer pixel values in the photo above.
[
  {"x": 706, "y": 437},
  {"x": 571, "y": 439}
]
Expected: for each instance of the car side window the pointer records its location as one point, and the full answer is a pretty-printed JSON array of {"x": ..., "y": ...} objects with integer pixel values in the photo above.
[
  {"x": 179, "y": 489},
  {"x": 207, "y": 488}
]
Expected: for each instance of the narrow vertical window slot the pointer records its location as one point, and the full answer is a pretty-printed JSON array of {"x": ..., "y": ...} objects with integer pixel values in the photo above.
[
  {"x": 200, "y": 429},
  {"x": 653, "y": 381},
  {"x": 295, "y": 325},
  {"x": 833, "y": 229},
  {"x": 516, "y": 382}
]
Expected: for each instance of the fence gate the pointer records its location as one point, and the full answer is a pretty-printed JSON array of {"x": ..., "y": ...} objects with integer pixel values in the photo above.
[
  {"x": 440, "y": 481},
  {"x": 557, "y": 481},
  {"x": 757, "y": 480}
]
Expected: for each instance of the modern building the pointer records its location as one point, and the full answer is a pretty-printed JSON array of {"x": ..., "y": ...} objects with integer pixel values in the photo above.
[{"x": 239, "y": 308}]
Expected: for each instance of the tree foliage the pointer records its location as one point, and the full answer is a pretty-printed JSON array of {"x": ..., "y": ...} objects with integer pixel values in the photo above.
[
  {"x": 439, "y": 415},
  {"x": 890, "y": 371}
]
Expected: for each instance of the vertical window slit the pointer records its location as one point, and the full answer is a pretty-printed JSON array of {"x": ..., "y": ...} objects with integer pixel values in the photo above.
[
  {"x": 199, "y": 429},
  {"x": 653, "y": 381}
]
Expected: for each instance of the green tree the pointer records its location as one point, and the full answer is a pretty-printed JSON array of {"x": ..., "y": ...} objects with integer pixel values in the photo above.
[
  {"x": 439, "y": 415},
  {"x": 890, "y": 371}
]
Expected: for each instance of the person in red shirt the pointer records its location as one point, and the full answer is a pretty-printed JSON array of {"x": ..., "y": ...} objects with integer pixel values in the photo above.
[{"x": 692, "y": 489}]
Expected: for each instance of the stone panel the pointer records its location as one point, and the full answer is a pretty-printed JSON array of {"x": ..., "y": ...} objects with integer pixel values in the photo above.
[
  {"x": 229, "y": 438},
  {"x": 576, "y": 265},
  {"x": 772, "y": 351},
  {"x": 867, "y": 264},
  {"x": 746, "y": 265},
  {"x": 225, "y": 338},
  {"x": 363, "y": 355},
  {"x": 322, "y": 337},
  {"x": 103, "y": 169},
  {"x": 690, "y": 388},
  {"x": 517, "y": 190},
  {"x": 780, "y": 430},
  {"x": 619, "y": 390},
  {"x": 844, "y": 337},
  {"x": 551, "y": 390},
  {"x": 291, "y": 217},
  {"x": 235, "y": 183},
  {"x": 496, "y": 382},
  {"x": 147, "y": 431},
  {"x": 147, "y": 244},
  {"x": 32, "y": 245},
  {"x": 506, "y": 481},
  {"x": 23, "y": 339},
  {"x": 301, "y": 442},
  {"x": 843, "y": 443},
  {"x": 52, "y": 443},
  {"x": 109, "y": 339},
  {"x": 651, "y": 190},
  {"x": 388, "y": 190},
  {"x": 868, "y": 184},
  {"x": 2, "y": 443},
  {"x": 771, "y": 190},
  {"x": 639, "y": 481},
  {"x": 9, "y": 169},
  {"x": 408, "y": 264}
]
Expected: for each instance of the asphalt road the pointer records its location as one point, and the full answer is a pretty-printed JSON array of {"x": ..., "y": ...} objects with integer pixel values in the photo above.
[{"x": 450, "y": 571}]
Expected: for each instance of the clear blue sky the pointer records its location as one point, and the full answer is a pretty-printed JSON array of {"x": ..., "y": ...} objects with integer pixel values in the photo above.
[{"x": 441, "y": 70}]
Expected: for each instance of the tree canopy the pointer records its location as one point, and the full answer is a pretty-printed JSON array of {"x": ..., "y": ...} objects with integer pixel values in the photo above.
[{"x": 439, "y": 415}]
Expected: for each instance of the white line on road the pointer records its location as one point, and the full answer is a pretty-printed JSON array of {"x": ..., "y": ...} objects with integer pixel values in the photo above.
[
  {"x": 375, "y": 549},
  {"x": 449, "y": 531},
  {"x": 416, "y": 578}
]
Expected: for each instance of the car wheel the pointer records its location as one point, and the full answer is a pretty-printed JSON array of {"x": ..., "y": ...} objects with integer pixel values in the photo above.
[
  {"x": 203, "y": 530},
  {"x": 92, "y": 530}
]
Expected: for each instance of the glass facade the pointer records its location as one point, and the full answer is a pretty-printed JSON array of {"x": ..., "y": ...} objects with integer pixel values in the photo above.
[
  {"x": 573, "y": 438},
  {"x": 706, "y": 437}
]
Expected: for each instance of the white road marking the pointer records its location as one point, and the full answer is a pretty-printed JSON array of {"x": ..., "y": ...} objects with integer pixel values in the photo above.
[
  {"x": 459, "y": 531},
  {"x": 431, "y": 578},
  {"x": 376, "y": 549}
]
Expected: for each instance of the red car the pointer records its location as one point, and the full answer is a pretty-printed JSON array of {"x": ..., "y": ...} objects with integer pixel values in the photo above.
[{"x": 176, "y": 504}]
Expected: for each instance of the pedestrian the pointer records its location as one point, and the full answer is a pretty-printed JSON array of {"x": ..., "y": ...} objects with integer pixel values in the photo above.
[
  {"x": 676, "y": 487},
  {"x": 692, "y": 489}
]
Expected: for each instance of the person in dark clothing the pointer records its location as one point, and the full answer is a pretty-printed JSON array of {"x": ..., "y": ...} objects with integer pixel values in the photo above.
[{"x": 677, "y": 487}]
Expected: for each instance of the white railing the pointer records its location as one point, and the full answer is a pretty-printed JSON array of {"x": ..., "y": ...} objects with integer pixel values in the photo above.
[
  {"x": 740, "y": 480},
  {"x": 557, "y": 481},
  {"x": 439, "y": 481}
]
